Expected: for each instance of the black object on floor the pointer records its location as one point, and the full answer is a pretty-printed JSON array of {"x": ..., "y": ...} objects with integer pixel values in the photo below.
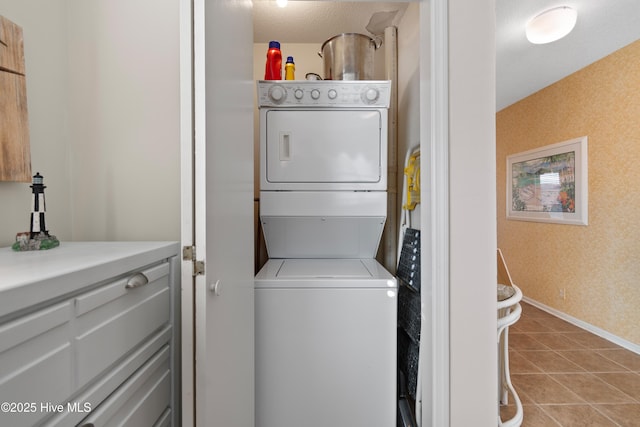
[{"x": 409, "y": 304}]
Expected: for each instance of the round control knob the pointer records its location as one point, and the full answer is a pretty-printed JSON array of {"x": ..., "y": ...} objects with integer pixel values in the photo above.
[
  {"x": 332, "y": 94},
  {"x": 298, "y": 93},
  {"x": 315, "y": 94},
  {"x": 277, "y": 94},
  {"x": 370, "y": 95}
]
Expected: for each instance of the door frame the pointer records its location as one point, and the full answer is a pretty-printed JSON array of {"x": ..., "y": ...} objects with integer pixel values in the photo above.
[
  {"x": 187, "y": 212},
  {"x": 434, "y": 126}
]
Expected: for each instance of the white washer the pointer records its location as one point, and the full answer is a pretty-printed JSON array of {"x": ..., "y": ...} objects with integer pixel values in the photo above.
[
  {"x": 325, "y": 309},
  {"x": 325, "y": 344}
]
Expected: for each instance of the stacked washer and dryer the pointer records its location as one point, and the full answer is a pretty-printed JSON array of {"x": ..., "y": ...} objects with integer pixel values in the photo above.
[{"x": 325, "y": 322}]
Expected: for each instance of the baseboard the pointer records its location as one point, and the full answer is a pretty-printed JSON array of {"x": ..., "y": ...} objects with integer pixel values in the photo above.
[{"x": 586, "y": 326}]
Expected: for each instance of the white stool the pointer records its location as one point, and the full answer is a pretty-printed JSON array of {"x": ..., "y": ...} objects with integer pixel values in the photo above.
[{"x": 509, "y": 311}]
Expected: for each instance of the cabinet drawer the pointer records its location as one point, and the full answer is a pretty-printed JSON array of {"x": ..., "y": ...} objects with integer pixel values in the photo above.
[
  {"x": 35, "y": 363},
  {"x": 141, "y": 401},
  {"x": 100, "y": 390},
  {"x": 114, "y": 319}
]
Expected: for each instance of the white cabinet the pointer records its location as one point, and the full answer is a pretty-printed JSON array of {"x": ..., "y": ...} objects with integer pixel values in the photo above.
[{"x": 88, "y": 336}]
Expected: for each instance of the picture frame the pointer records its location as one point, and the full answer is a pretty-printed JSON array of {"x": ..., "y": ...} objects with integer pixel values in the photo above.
[{"x": 549, "y": 184}]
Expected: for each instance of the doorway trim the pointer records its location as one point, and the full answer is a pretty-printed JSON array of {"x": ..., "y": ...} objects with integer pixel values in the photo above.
[{"x": 434, "y": 128}]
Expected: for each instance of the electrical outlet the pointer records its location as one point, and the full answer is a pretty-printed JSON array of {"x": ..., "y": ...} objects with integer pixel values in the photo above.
[{"x": 562, "y": 294}]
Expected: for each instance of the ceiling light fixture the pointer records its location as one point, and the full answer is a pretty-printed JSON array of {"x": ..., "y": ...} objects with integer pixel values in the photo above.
[
  {"x": 281, "y": 3},
  {"x": 551, "y": 25}
]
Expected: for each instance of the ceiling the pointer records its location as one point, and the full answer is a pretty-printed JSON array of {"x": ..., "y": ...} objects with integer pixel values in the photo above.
[
  {"x": 522, "y": 68},
  {"x": 315, "y": 21}
]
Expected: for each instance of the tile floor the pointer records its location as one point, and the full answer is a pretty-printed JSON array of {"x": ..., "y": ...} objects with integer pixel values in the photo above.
[{"x": 566, "y": 376}]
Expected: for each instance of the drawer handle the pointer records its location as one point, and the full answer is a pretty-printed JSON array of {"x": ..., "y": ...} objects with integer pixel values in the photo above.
[
  {"x": 136, "y": 281},
  {"x": 88, "y": 425}
]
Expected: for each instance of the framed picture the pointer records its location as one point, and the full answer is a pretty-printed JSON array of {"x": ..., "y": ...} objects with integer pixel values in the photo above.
[{"x": 549, "y": 184}]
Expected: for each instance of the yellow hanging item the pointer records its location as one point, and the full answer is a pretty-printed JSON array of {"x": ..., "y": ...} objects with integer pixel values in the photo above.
[{"x": 412, "y": 172}]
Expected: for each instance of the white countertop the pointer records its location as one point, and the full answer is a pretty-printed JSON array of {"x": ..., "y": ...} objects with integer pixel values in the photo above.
[{"x": 31, "y": 277}]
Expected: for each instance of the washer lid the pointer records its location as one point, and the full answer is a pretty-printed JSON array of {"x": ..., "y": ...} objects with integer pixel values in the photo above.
[
  {"x": 324, "y": 273},
  {"x": 323, "y": 268}
]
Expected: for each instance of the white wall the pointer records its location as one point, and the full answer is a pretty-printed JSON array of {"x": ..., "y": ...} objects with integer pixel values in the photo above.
[
  {"x": 103, "y": 97},
  {"x": 472, "y": 227},
  {"x": 409, "y": 128},
  {"x": 408, "y": 95},
  {"x": 471, "y": 287},
  {"x": 43, "y": 24},
  {"x": 124, "y": 101}
]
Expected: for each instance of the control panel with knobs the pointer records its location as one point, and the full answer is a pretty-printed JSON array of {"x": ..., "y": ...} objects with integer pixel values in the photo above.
[{"x": 325, "y": 93}]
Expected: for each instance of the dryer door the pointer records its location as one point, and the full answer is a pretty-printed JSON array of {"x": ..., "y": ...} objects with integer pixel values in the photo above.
[{"x": 324, "y": 149}]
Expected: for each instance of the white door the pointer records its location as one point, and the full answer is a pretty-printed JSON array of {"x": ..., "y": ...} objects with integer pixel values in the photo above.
[
  {"x": 324, "y": 147},
  {"x": 217, "y": 160}
]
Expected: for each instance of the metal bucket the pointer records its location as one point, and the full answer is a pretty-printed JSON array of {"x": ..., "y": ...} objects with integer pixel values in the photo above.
[{"x": 348, "y": 56}]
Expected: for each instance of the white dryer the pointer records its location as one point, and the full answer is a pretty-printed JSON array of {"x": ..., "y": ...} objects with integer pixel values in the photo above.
[{"x": 325, "y": 308}]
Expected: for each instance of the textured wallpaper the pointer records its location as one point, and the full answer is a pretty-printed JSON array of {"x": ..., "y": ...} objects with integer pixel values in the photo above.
[{"x": 597, "y": 266}]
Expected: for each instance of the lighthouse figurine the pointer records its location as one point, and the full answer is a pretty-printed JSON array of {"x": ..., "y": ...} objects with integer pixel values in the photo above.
[
  {"x": 38, "y": 207},
  {"x": 38, "y": 236}
]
